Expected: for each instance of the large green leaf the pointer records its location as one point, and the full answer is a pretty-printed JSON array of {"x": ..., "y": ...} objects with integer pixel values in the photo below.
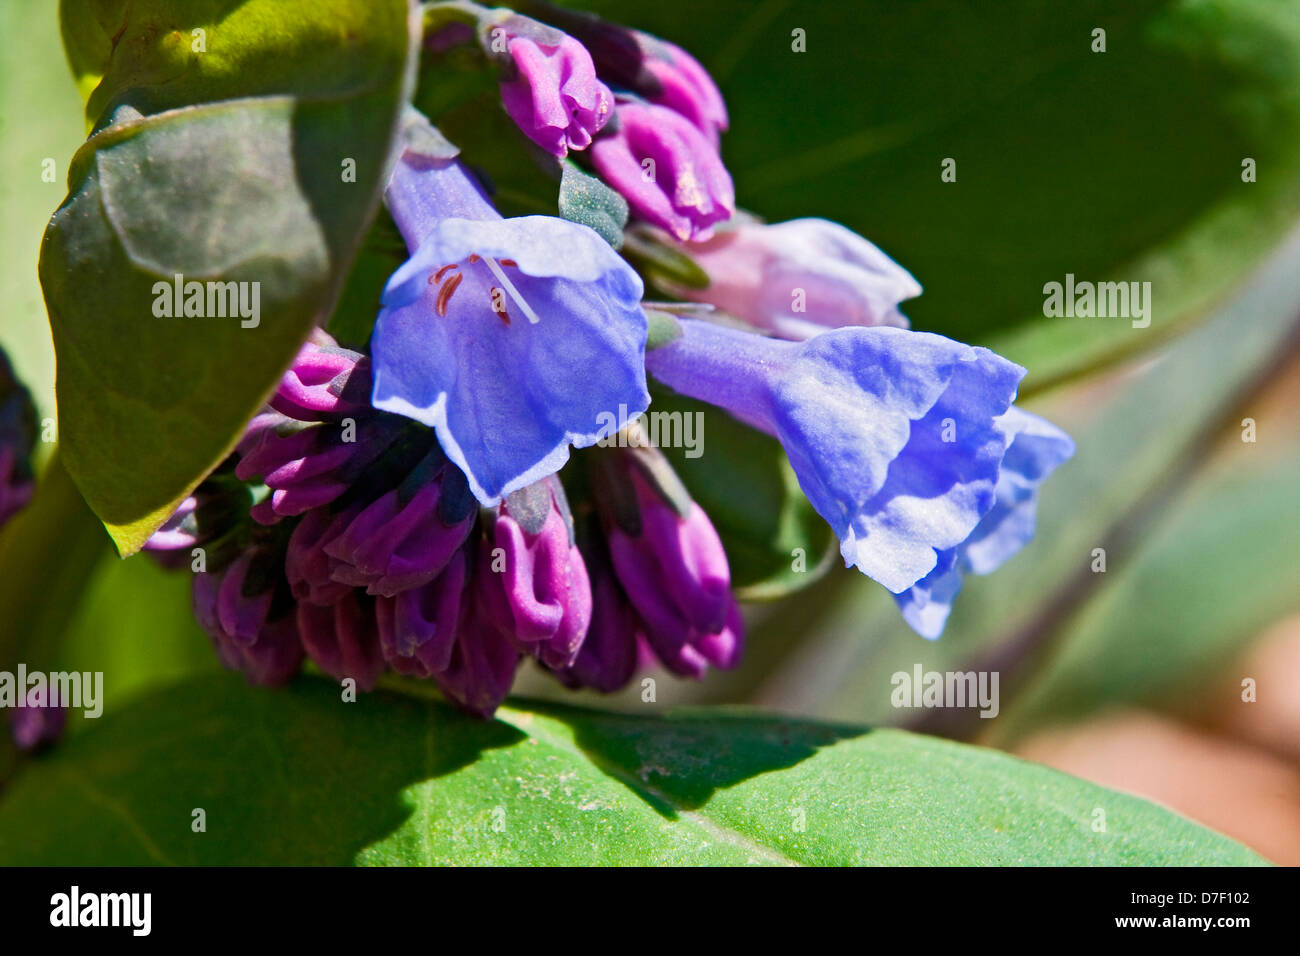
[
  {"x": 254, "y": 160},
  {"x": 1125, "y": 164},
  {"x": 299, "y": 776}
]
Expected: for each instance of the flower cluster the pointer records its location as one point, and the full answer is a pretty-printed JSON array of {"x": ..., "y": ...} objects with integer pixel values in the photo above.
[
  {"x": 654, "y": 136},
  {"x": 342, "y": 533},
  {"x": 414, "y": 507}
]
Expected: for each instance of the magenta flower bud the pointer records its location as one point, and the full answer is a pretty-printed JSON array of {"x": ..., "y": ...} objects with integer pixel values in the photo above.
[
  {"x": 39, "y": 722},
  {"x": 213, "y": 510},
  {"x": 178, "y": 532},
  {"x": 692, "y": 657},
  {"x": 484, "y": 659},
  {"x": 324, "y": 382},
  {"x": 243, "y": 603},
  {"x": 799, "y": 278},
  {"x": 272, "y": 655},
  {"x": 669, "y": 560},
  {"x": 307, "y": 466},
  {"x": 418, "y": 627},
  {"x": 343, "y": 640},
  {"x": 481, "y": 671},
  {"x": 17, "y": 438},
  {"x": 682, "y": 84},
  {"x": 543, "y": 573},
  {"x": 405, "y": 538},
  {"x": 550, "y": 88},
  {"x": 16, "y": 484},
  {"x": 307, "y": 566},
  {"x": 667, "y": 170},
  {"x": 608, "y": 656},
  {"x": 652, "y": 68}
]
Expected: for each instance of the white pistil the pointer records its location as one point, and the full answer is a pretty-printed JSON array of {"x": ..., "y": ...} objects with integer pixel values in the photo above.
[{"x": 510, "y": 288}]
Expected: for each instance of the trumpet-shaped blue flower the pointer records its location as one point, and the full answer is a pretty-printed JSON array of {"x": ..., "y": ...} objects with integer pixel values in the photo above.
[
  {"x": 513, "y": 338},
  {"x": 897, "y": 438},
  {"x": 1037, "y": 448}
]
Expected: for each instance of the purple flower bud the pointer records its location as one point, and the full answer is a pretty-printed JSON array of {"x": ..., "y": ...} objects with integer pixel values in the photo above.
[
  {"x": 242, "y": 602},
  {"x": 39, "y": 722},
  {"x": 799, "y": 278},
  {"x": 667, "y": 555},
  {"x": 668, "y": 171},
  {"x": 324, "y": 382},
  {"x": 550, "y": 88},
  {"x": 682, "y": 84},
  {"x": 307, "y": 466},
  {"x": 542, "y": 572},
  {"x": 307, "y": 566},
  {"x": 251, "y": 633},
  {"x": 205, "y": 518},
  {"x": 16, "y": 484},
  {"x": 608, "y": 656},
  {"x": 691, "y": 659},
  {"x": 484, "y": 659},
  {"x": 177, "y": 533},
  {"x": 418, "y": 627},
  {"x": 405, "y": 538},
  {"x": 652, "y": 68},
  {"x": 17, "y": 437},
  {"x": 343, "y": 639}
]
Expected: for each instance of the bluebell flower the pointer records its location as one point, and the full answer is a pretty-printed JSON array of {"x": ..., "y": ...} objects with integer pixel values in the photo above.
[
  {"x": 897, "y": 438},
  {"x": 513, "y": 338},
  {"x": 1037, "y": 448}
]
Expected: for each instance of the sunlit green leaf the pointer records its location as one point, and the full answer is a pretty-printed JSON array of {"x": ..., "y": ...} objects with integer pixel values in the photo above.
[{"x": 299, "y": 776}]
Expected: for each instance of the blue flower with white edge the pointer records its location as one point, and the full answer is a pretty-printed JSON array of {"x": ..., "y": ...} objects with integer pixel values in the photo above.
[
  {"x": 513, "y": 338},
  {"x": 1037, "y": 448},
  {"x": 898, "y": 438}
]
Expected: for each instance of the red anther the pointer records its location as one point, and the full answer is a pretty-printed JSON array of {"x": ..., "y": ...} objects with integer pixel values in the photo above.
[{"x": 444, "y": 294}]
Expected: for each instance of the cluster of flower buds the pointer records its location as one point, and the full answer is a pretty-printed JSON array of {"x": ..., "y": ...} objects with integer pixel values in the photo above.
[
  {"x": 646, "y": 113},
  {"x": 344, "y": 535},
  {"x": 661, "y": 584}
]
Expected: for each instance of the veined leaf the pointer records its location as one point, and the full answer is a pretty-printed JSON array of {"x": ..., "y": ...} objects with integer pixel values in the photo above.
[{"x": 411, "y": 781}]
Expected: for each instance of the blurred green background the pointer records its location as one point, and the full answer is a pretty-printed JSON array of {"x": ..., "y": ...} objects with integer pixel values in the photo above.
[{"x": 1116, "y": 165}]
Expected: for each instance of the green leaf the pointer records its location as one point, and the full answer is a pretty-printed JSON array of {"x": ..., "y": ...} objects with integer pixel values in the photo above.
[
  {"x": 1200, "y": 588},
  {"x": 587, "y": 200},
  {"x": 410, "y": 781},
  {"x": 775, "y": 542},
  {"x": 1122, "y": 165},
  {"x": 230, "y": 164}
]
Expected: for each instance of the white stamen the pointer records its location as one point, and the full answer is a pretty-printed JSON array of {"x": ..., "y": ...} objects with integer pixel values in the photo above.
[{"x": 510, "y": 288}]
